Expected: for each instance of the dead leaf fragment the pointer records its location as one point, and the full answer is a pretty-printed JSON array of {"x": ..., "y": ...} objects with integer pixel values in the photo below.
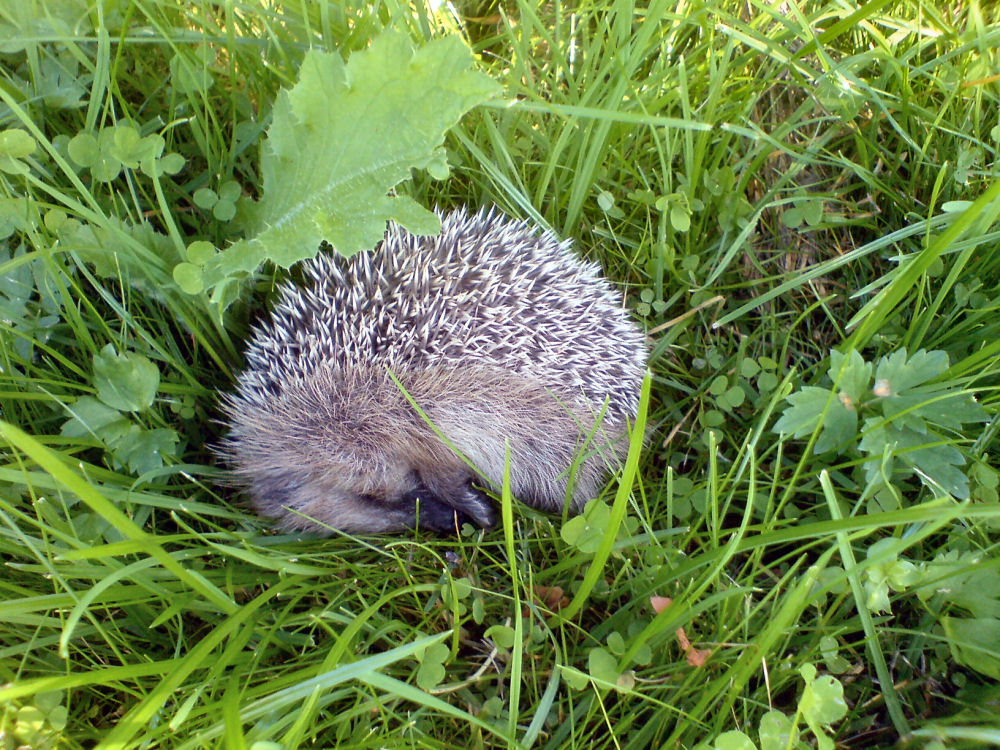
[
  {"x": 551, "y": 597},
  {"x": 696, "y": 657}
]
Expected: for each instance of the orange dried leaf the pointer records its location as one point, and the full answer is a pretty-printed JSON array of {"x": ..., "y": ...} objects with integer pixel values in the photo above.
[{"x": 697, "y": 657}]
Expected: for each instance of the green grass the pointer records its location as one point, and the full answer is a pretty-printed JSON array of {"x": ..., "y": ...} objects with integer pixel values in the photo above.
[{"x": 766, "y": 183}]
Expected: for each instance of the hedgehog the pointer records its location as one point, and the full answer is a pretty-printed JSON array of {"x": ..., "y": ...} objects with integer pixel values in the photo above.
[{"x": 395, "y": 389}]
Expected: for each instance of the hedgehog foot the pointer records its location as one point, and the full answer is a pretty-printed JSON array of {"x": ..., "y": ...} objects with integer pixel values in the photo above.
[{"x": 446, "y": 512}]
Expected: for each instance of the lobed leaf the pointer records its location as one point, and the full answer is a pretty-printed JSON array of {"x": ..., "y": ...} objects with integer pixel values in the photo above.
[
  {"x": 126, "y": 381},
  {"x": 342, "y": 138}
]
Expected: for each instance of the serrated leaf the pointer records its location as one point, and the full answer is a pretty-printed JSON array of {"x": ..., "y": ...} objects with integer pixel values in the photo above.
[
  {"x": 963, "y": 581},
  {"x": 945, "y": 406},
  {"x": 127, "y": 381},
  {"x": 343, "y": 137},
  {"x": 803, "y": 414},
  {"x": 839, "y": 426},
  {"x": 897, "y": 373},
  {"x": 852, "y": 375},
  {"x": 912, "y": 451},
  {"x": 17, "y": 287}
]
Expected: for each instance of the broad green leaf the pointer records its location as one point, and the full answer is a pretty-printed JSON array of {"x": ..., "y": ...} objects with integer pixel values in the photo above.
[
  {"x": 586, "y": 531},
  {"x": 822, "y": 701},
  {"x": 224, "y": 210},
  {"x": 230, "y": 190},
  {"x": 205, "y": 197},
  {"x": 573, "y": 677},
  {"x": 432, "y": 670},
  {"x": 502, "y": 635},
  {"x": 188, "y": 278},
  {"x": 90, "y": 418},
  {"x": 143, "y": 450},
  {"x": 200, "y": 252},
  {"x": 775, "y": 731},
  {"x": 342, "y": 138},
  {"x": 49, "y": 700},
  {"x": 16, "y": 143},
  {"x": 126, "y": 381},
  {"x": 603, "y": 666},
  {"x": 129, "y": 148},
  {"x": 16, "y": 215},
  {"x": 733, "y": 740},
  {"x": 975, "y": 643},
  {"x": 616, "y": 643},
  {"x": 171, "y": 163},
  {"x": 106, "y": 167},
  {"x": 680, "y": 218},
  {"x": 963, "y": 581},
  {"x": 835, "y": 663}
]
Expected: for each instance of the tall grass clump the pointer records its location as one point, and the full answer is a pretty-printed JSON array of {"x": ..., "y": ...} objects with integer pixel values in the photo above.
[{"x": 800, "y": 202}]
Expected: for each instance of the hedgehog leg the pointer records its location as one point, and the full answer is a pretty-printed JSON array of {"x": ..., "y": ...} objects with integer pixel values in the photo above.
[
  {"x": 454, "y": 491},
  {"x": 431, "y": 513}
]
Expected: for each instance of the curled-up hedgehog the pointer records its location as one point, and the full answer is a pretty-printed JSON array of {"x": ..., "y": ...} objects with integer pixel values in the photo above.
[{"x": 494, "y": 329}]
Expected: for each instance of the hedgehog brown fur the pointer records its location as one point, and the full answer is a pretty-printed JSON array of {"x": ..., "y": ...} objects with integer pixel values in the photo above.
[{"x": 496, "y": 331}]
